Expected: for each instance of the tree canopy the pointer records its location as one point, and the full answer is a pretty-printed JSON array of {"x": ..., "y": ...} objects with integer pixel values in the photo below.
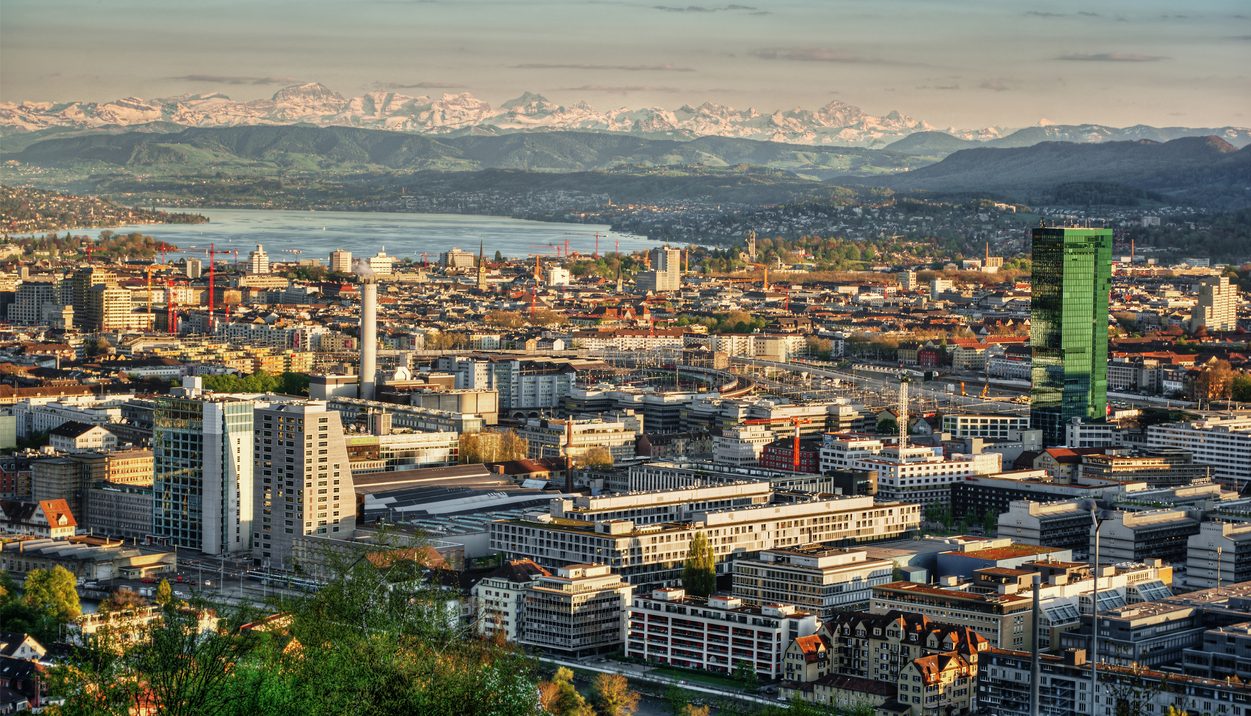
[{"x": 699, "y": 573}]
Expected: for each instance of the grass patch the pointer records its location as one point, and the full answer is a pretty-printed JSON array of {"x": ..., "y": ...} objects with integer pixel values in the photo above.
[{"x": 702, "y": 677}]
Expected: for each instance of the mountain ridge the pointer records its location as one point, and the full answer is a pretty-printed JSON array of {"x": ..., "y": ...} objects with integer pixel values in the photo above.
[{"x": 453, "y": 114}]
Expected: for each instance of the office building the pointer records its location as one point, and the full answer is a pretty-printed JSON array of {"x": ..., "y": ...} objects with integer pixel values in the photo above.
[
  {"x": 977, "y": 496},
  {"x": 35, "y": 303},
  {"x": 1158, "y": 468},
  {"x": 193, "y": 268},
  {"x": 1005, "y": 620},
  {"x": 1217, "y": 309},
  {"x": 341, "y": 261},
  {"x": 303, "y": 481},
  {"x": 579, "y": 610},
  {"x": 651, "y": 553},
  {"x": 665, "y": 273},
  {"x": 1064, "y": 524},
  {"x": 57, "y": 478},
  {"x": 456, "y": 258},
  {"x": 258, "y": 261},
  {"x": 716, "y": 634},
  {"x": 380, "y": 264},
  {"x": 1221, "y": 443},
  {"x": 817, "y": 579},
  {"x": 1138, "y": 536},
  {"x": 202, "y": 481},
  {"x": 499, "y": 599},
  {"x": 1222, "y": 652},
  {"x": 1150, "y": 634},
  {"x": 992, "y": 426},
  {"x": 579, "y": 438},
  {"x": 1072, "y": 277},
  {"x": 1219, "y": 554}
]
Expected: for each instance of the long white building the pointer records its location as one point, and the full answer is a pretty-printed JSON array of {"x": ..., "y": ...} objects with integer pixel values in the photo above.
[
  {"x": 653, "y": 553},
  {"x": 1224, "y": 443}
]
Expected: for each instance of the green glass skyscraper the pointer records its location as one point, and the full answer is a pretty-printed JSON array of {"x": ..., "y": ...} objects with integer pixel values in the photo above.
[{"x": 1069, "y": 328}]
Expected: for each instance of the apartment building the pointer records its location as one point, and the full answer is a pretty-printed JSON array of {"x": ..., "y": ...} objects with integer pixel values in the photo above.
[
  {"x": 499, "y": 598},
  {"x": 817, "y": 579},
  {"x": 303, "y": 483},
  {"x": 715, "y": 634},
  {"x": 652, "y": 553},
  {"x": 1217, "y": 307},
  {"x": 579, "y": 610}
]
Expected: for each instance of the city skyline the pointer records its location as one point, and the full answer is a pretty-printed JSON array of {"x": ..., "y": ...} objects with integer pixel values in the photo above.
[{"x": 941, "y": 62}]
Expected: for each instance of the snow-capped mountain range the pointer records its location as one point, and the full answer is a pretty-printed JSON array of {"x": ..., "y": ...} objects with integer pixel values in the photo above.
[{"x": 836, "y": 123}]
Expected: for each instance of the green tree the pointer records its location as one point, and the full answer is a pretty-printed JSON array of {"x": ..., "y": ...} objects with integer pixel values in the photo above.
[
  {"x": 560, "y": 697},
  {"x": 886, "y": 426},
  {"x": 613, "y": 696},
  {"x": 164, "y": 593},
  {"x": 699, "y": 573},
  {"x": 122, "y": 599},
  {"x": 746, "y": 674},
  {"x": 53, "y": 592}
]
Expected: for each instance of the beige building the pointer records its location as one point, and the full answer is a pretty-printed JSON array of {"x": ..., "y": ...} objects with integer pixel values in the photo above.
[
  {"x": 499, "y": 598},
  {"x": 579, "y": 610},
  {"x": 341, "y": 261},
  {"x": 665, "y": 273},
  {"x": 1217, "y": 309},
  {"x": 302, "y": 478},
  {"x": 817, "y": 579},
  {"x": 1004, "y": 619}
]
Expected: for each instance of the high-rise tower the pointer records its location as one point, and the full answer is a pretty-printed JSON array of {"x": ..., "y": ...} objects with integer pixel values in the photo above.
[
  {"x": 202, "y": 470},
  {"x": 1072, "y": 276}
]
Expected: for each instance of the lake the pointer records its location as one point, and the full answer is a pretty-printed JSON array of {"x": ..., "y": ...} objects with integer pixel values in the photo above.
[{"x": 316, "y": 233}]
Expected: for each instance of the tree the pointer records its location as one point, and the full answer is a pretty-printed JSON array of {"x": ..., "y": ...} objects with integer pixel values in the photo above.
[
  {"x": 613, "y": 696},
  {"x": 164, "y": 593},
  {"x": 699, "y": 573},
  {"x": 53, "y": 592},
  {"x": 745, "y": 673},
  {"x": 122, "y": 599},
  {"x": 886, "y": 426},
  {"x": 559, "y": 697},
  {"x": 493, "y": 447},
  {"x": 693, "y": 710},
  {"x": 597, "y": 457}
]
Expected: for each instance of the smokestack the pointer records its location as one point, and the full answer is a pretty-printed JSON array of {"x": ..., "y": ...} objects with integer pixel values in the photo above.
[{"x": 369, "y": 337}]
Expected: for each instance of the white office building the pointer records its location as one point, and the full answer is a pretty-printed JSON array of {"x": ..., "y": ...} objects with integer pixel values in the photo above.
[
  {"x": 1224, "y": 443},
  {"x": 816, "y": 579}
]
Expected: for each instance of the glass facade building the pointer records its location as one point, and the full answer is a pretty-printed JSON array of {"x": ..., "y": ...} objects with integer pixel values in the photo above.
[
  {"x": 1072, "y": 276},
  {"x": 202, "y": 473}
]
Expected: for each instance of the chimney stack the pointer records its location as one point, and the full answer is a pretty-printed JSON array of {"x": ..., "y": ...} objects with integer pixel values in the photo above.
[{"x": 369, "y": 337}]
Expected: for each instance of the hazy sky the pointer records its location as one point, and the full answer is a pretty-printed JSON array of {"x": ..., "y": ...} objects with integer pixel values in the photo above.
[{"x": 967, "y": 64}]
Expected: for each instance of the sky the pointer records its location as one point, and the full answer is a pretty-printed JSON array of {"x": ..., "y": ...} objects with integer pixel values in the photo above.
[{"x": 974, "y": 63}]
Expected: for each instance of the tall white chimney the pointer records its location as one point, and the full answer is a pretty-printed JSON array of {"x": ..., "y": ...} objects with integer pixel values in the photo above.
[{"x": 369, "y": 337}]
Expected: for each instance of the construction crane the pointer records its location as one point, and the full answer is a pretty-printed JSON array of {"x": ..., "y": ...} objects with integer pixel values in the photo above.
[
  {"x": 795, "y": 421},
  {"x": 149, "y": 269}
]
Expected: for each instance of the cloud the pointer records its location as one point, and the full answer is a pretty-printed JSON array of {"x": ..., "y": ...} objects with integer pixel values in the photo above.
[
  {"x": 811, "y": 54},
  {"x": 618, "y": 89},
  {"x": 997, "y": 84},
  {"x": 233, "y": 79},
  {"x": 417, "y": 85},
  {"x": 710, "y": 8},
  {"x": 1111, "y": 57},
  {"x": 583, "y": 66}
]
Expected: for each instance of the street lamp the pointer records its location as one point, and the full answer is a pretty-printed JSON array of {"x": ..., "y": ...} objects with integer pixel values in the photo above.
[{"x": 1094, "y": 614}]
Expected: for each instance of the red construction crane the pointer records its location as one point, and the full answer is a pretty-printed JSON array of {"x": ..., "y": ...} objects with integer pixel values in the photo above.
[
  {"x": 171, "y": 321},
  {"x": 796, "y": 421},
  {"x": 212, "y": 282}
]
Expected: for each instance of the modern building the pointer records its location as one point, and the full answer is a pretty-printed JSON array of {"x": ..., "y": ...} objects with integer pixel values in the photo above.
[
  {"x": 1219, "y": 554},
  {"x": 303, "y": 483},
  {"x": 1222, "y": 443},
  {"x": 1138, "y": 536},
  {"x": 1072, "y": 277},
  {"x": 995, "y": 426},
  {"x": 665, "y": 274},
  {"x": 578, "y": 438},
  {"x": 35, "y": 303},
  {"x": 1063, "y": 524},
  {"x": 380, "y": 264},
  {"x": 653, "y": 553},
  {"x": 1005, "y": 620},
  {"x": 1217, "y": 309},
  {"x": 499, "y": 599},
  {"x": 202, "y": 481},
  {"x": 1223, "y": 652},
  {"x": 258, "y": 261},
  {"x": 579, "y": 610},
  {"x": 817, "y": 579},
  {"x": 122, "y": 511},
  {"x": 341, "y": 261},
  {"x": 716, "y": 634},
  {"x": 457, "y": 258}
]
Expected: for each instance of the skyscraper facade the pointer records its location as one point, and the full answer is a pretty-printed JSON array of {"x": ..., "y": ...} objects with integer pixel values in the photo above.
[
  {"x": 1217, "y": 308},
  {"x": 1072, "y": 275},
  {"x": 303, "y": 481},
  {"x": 202, "y": 471}
]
